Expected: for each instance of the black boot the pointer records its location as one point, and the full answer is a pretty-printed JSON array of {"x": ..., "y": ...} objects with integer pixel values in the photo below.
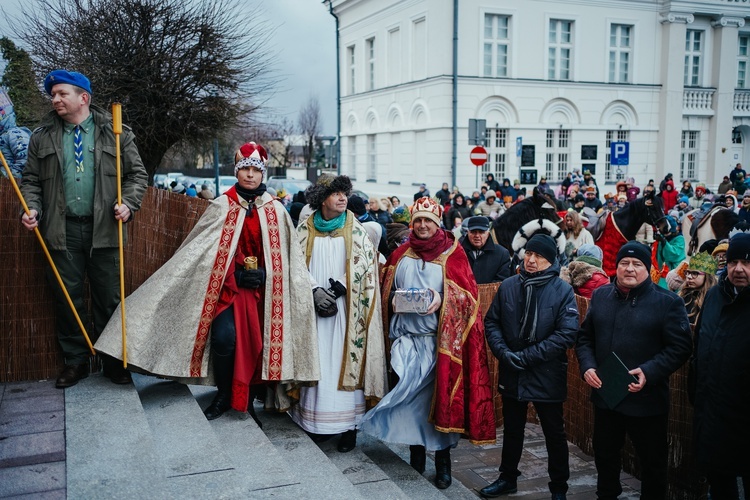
[
  {"x": 443, "y": 468},
  {"x": 417, "y": 457},
  {"x": 348, "y": 441},
  {"x": 223, "y": 373}
]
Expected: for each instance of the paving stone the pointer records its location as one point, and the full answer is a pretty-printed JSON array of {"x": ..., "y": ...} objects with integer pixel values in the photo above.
[
  {"x": 44, "y": 495},
  {"x": 16, "y": 390},
  {"x": 29, "y": 449},
  {"x": 33, "y": 404},
  {"x": 18, "y": 424},
  {"x": 33, "y": 479}
]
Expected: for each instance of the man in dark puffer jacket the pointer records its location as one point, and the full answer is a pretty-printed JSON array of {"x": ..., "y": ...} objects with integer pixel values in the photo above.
[
  {"x": 647, "y": 328},
  {"x": 529, "y": 327}
]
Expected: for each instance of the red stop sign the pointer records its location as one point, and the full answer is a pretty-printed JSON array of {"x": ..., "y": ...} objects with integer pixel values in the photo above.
[{"x": 478, "y": 156}]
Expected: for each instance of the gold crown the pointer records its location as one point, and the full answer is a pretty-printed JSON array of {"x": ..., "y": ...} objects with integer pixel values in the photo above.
[{"x": 428, "y": 208}]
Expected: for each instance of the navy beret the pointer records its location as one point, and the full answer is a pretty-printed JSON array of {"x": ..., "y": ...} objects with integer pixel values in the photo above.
[
  {"x": 63, "y": 76},
  {"x": 478, "y": 222}
]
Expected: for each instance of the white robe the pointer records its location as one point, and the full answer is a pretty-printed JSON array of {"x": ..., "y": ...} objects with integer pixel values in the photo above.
[{"x": 323, "y": 409}]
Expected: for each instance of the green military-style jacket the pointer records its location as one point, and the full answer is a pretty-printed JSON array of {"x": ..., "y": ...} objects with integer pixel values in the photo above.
[{"x": 42, "y": 184}]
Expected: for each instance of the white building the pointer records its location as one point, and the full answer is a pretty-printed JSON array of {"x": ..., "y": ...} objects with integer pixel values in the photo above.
[{"x": 671, "y": 78}]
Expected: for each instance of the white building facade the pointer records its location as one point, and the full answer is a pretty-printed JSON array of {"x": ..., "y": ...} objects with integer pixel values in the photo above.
[{"x": 567, "y": 77}]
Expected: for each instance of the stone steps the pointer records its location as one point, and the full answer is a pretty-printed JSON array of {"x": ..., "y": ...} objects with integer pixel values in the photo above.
[{"x": 151, "y": 440}]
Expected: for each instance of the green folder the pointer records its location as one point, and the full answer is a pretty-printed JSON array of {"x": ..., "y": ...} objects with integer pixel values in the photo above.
[{"x": 615, "y": 379}]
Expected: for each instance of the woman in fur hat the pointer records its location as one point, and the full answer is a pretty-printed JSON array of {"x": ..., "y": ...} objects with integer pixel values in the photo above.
[{"x": 700, "y": 276}]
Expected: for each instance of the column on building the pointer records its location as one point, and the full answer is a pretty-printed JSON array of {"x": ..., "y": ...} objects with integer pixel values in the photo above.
[
  {"x": 672, "y": 92},
  {"x": 723, "y": 78}
]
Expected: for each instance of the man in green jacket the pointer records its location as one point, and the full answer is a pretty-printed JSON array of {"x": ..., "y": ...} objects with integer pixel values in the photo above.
[{"x": 70, "y": 186}]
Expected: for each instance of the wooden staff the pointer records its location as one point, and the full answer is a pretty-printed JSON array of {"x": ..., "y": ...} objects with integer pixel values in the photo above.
[
  {"x": 117, "y": 129},
  {"x": 46, "y": 253}
]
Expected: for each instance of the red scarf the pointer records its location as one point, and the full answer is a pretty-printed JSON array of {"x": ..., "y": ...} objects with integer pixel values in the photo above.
[{"x": 429, "y": 250}]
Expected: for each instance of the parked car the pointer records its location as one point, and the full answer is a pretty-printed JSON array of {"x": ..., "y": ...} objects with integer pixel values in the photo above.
[
  {"x": 225, "y": 182},
  {"x": 290, "y": 186}
]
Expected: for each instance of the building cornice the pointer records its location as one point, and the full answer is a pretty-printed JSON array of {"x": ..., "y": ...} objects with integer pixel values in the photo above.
[
  {"x": 676, "y": 17},
  {"x": 728, "y": 22}
]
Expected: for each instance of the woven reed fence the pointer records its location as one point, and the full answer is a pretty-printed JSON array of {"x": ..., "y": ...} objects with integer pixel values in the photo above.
[{"x": 29, "y": 350}]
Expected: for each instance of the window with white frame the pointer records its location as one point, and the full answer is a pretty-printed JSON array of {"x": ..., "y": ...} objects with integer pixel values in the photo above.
[
  {"x": 557, "y": 157},
  {"x": 496, "y": 41},
  {"x": 350, "y": 62},
  {"x": 497, "y": 154},
  {"x": 559, "y": 49},
  {"x": 613, "y": 172},
  {"x": 353, "y": 157},
  {"x": 688, "y": 154},
  {"x": 620, "y": 51},
  {"x": 370, "y": 48},
  {"x": 394, "y": 57},
  {"x": 743, "y": 61},
  {"x": 419, "y": 49},
  {"x": 372, "y": 157},
  {"x": 693, "y": 57}
]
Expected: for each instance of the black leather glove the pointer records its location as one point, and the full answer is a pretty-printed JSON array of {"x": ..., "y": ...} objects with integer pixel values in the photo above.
[
  {"x": 250, "y": 278},
  {"x": 325, "y": 303},
  {"x": 512, "y": 361},
  {"x": 337, "y": 289}
]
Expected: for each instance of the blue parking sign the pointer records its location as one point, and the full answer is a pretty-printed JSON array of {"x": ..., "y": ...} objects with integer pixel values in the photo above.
[{"x": 619, "y": 153}]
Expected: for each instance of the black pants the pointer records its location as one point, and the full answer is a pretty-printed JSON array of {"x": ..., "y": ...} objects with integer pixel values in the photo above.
[
  {"x": 649, "y": 437},
  {"x": 553, "y": 426},
  {"x": 78, "y": 261},
  {"x": 223, "y": 333}
]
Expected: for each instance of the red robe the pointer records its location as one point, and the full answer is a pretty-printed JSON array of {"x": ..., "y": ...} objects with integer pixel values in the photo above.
[
  {"x": 610, "y": 241},
  {"x": 462, "y": 401},
  {"x": 248, "y": 311}
]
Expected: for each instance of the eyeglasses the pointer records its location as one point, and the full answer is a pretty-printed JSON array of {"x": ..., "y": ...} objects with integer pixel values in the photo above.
[{"x": 694, "y": 274}]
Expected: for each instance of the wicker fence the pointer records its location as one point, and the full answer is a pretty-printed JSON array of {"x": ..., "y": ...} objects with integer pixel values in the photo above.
[{"x": 29, "y": 351}]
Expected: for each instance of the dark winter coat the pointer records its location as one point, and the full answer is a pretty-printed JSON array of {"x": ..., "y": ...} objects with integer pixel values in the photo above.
[
  {"x": 491, "y": 264},
  {"x": 722, "y": 376},
  {"x": 647, "y": 328},
  {"x": 545, "y": 378}
]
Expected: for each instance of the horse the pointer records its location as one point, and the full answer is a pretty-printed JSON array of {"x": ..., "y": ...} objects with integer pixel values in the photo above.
[
  {"x": 715, "y": 224},
  {"x": 538, "y": 206},
  {"x": 613, "y": 229}
]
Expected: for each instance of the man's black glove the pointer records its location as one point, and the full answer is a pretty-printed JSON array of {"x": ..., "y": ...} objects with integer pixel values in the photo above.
[
  {"x": 250, "y": 278},
  {"x": 512, "y": 361},
  {"x": 337, "y": 289},
  {"x": 325, "y": 302}
]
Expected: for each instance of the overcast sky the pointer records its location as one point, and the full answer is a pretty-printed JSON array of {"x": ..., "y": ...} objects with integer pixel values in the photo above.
[{"x": 305, "y": 45}]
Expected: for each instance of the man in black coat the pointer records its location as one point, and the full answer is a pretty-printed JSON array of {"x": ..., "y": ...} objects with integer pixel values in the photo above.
[
  {"x": 530, "y": 325},
  {"x": 489, "y": 261},
  {"x": 722, "y": 376},
  {"x": 647, "y": 328}
]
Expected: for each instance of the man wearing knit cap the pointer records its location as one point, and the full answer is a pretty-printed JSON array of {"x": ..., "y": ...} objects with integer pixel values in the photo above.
[
  {"x": 530, "y": 325},
  {"x": 343, "y": 272},
  {"x": 245, "y": 265},
  {"x": 72, "y": 198},
  {"x": 647, "y": 328},
  {"x": 722, "y": 375},
  {"x": 431, "y": 314}
]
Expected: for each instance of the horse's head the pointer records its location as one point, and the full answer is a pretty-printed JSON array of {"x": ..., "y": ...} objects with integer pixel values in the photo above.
[
  {"x": 546, "y": 205},
  {"x": 654, "y": 212}
]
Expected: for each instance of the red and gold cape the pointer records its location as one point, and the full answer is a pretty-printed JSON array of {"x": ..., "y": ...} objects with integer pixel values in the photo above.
[{"x": 462, "y": 401}]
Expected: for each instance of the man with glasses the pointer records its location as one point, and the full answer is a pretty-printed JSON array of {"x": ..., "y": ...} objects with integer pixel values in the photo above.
[
  {"x": 489, "y": 261},
  {"x": 647, "y": 328}
]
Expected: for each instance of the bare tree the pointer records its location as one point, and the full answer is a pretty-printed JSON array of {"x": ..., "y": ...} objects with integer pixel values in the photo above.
[
  {"x": 184, "y": 71},
  {"x": 310, "y": 123}
]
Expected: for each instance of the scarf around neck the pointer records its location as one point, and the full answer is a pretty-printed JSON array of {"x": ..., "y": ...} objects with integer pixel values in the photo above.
[
  {"x": 250, "y": 194},
  {"x": 428, "y": 250},
  {"x": 326, "y": 226},
  {"x": 531, "y": 283}
]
